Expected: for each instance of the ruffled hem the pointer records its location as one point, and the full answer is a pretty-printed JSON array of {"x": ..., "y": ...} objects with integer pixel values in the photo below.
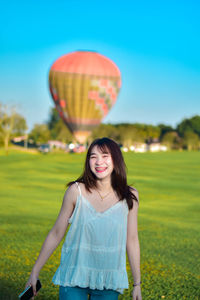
[{"x": 94, "y": 279}]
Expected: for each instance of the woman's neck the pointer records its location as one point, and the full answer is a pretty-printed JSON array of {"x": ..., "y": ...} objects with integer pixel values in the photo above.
[{"x": 104, "y": 184}]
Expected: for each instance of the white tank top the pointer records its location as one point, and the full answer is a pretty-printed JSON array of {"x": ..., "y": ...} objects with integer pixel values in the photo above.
[{"x": 94, "y": 252}]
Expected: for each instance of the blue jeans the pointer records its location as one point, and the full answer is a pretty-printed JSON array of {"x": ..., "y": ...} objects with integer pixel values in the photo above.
[{"x": 78, "y": 293}]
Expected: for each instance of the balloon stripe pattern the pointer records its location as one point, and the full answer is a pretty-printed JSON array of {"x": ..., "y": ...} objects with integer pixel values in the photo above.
[{"x": 84, "y": 86}]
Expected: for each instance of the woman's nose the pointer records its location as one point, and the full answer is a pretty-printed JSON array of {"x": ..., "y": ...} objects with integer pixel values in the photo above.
[{"x": 99, "y": 160}]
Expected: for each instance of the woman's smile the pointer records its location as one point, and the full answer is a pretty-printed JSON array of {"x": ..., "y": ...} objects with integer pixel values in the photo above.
[{"x": 100, "y": 169}]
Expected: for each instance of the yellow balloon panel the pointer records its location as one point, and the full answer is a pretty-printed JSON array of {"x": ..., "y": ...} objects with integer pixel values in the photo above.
[{"x": 83, "y": 100}]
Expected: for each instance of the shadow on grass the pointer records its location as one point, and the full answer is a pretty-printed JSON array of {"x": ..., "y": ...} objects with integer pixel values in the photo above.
[{"x": 9, "y": 290}]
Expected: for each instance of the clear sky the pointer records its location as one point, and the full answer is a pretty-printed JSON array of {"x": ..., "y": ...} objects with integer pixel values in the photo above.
[{"x": 155, "y": 44}]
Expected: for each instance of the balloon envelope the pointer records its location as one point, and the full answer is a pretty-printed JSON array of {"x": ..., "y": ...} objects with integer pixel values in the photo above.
[{"x": 84, "y": 86}]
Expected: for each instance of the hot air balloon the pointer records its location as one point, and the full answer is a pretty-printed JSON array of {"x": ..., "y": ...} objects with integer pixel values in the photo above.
[{"x": 84, "y": 86}]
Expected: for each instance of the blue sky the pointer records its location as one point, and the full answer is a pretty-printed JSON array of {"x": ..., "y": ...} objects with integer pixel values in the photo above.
[{"x": 155, "y": 44}]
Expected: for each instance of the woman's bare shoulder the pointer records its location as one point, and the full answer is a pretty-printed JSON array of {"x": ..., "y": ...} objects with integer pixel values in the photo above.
[
  {"x": 72, "y": 188},
  {"x": 72, "y": 193},
  {"x": 82, "y": 186}
]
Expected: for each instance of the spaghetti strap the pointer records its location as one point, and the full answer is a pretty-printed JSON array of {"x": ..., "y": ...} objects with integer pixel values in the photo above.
[{"x": 78, "y": 188}]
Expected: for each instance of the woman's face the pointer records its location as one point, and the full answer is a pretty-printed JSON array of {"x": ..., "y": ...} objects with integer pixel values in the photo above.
[{"x": 101, "y": 163}]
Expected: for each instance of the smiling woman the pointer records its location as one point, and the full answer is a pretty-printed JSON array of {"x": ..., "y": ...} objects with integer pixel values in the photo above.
[
  {"x": 101, "y": 163},
  {"x": 102, "y": 210}
]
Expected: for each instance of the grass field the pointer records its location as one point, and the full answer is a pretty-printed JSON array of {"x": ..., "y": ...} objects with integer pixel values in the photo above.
[{"x": 31, "y": 191}]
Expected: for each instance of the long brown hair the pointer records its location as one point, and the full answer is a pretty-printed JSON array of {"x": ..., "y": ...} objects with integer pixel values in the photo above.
[{"x": 118, "y": 176}]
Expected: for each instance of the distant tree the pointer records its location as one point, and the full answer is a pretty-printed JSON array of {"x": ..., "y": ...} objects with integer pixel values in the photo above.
[
  {"x": 53, "y": 118},
  {"x": 153, "y": 132},
  {"x": 191, "y": 140},
  {"x": 11, "y": 124},
  {"x": 61, "y": 133},
  {"x": 40, "y": 133},
  {"x": 105, "y": 130},
  {"x": 172, "y": 140},
  {"x": 58, "y": 130},
  {"x": 142, "y": 132},
  {"x": 20, "y": 125},
  {"x": 164, "y": 129},
  {"x": 129, "y": 134},
  {"x": 196, "y": 124},
  {"x": 124, "y": 134},
  {"x": 192, "y": 125}
]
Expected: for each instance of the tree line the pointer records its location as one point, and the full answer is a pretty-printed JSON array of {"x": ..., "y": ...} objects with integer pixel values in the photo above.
[{"x": 186, "y": 135}]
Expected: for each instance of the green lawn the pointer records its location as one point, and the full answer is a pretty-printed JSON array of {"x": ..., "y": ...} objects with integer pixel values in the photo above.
[{"x": 31, "y": 191}]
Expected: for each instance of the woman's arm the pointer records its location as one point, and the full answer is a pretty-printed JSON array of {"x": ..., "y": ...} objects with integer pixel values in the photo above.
[
  {"x": 56, "y": 234},
  {"x": 133, "y": 247}
]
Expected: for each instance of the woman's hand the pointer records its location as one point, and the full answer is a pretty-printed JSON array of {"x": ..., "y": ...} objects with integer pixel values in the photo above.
[
  {"x": 137, "y": 295},
  {"x": 32, "y": 282}
]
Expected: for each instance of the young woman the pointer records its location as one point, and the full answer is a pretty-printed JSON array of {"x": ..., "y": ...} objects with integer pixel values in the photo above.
[{"x": 102, "y": 210}]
